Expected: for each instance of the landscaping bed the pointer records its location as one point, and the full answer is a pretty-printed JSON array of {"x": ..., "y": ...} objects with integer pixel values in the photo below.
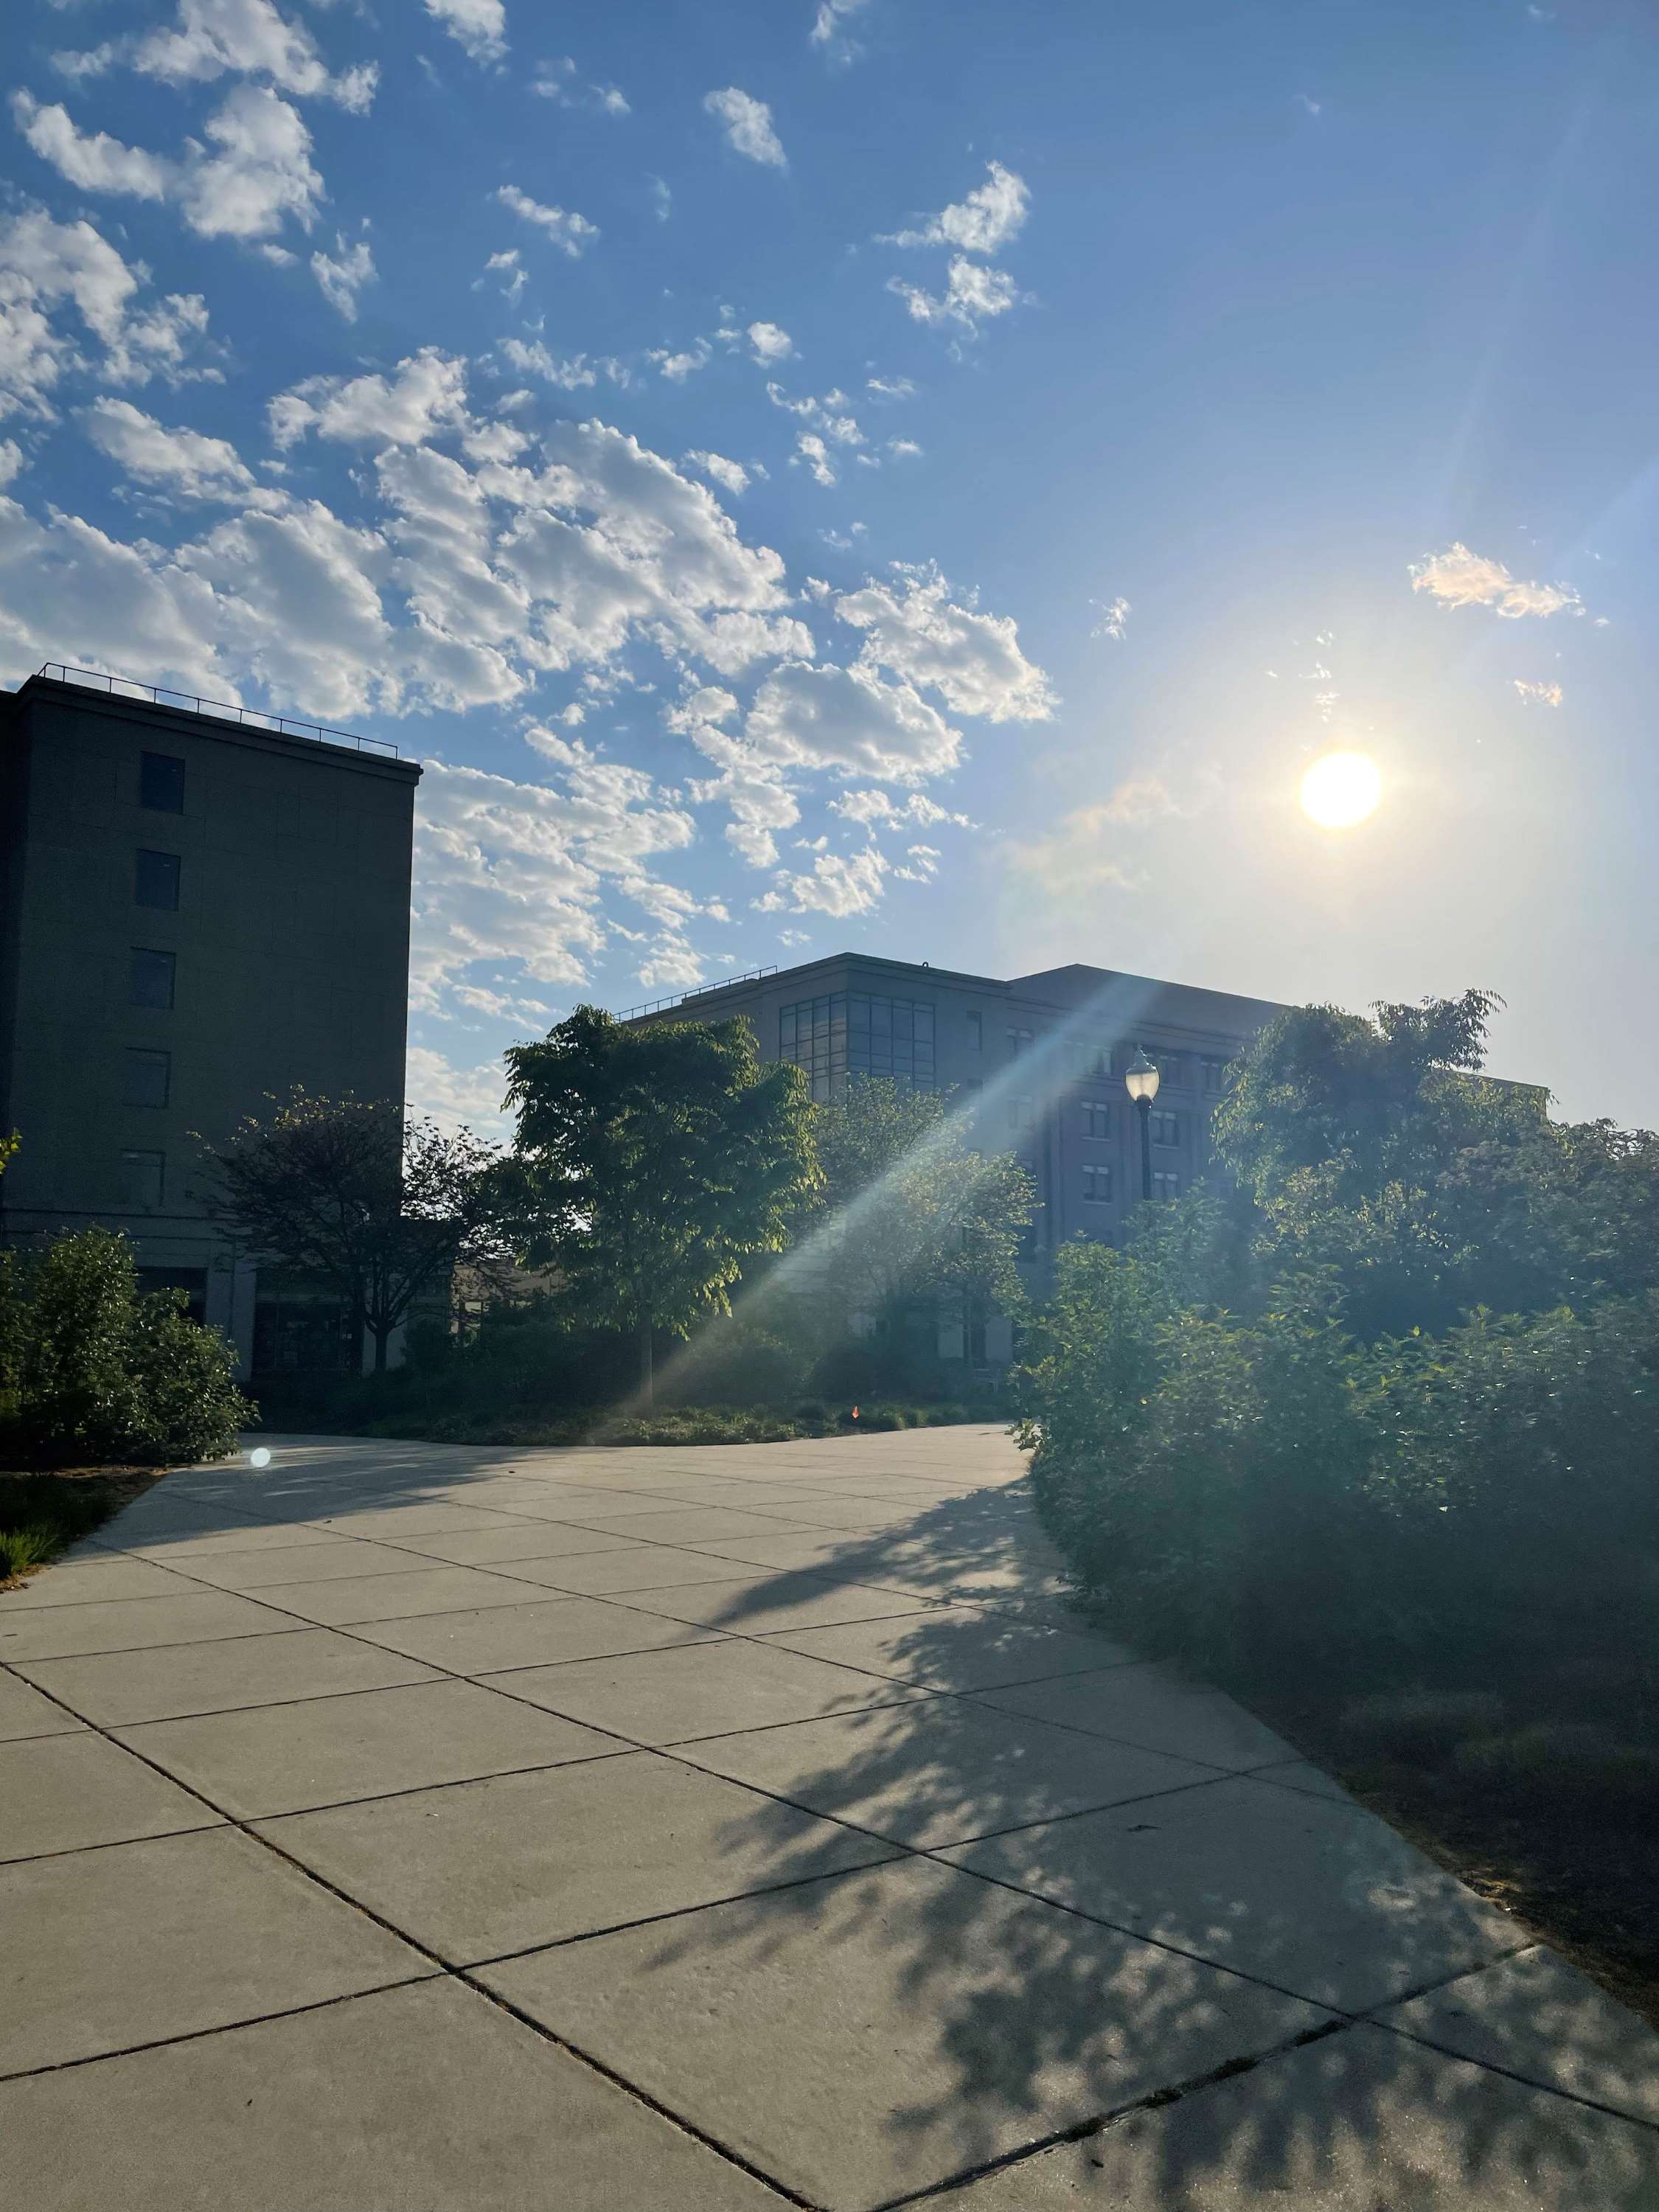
[
  {"x": 1543, "y": 1797},
  {"x": 42, "y": 1514},
  {"x": 670, "y": 1424}
]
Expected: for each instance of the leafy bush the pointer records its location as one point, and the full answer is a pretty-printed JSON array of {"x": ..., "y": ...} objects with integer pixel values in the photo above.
[
  {"x": 93, "y": 1371},
  {"x": 1573, "y": 1762},
  {"x": 1421, "y": 1724}
]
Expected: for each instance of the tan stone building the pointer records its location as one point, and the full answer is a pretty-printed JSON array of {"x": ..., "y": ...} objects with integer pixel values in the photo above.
[
  {"x": 198, "y": 910},
  {"x": 1036, "y": 1062}
]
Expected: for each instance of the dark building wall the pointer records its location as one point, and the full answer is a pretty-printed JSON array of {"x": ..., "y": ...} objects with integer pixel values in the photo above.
[{"x": 287, "y": 953}]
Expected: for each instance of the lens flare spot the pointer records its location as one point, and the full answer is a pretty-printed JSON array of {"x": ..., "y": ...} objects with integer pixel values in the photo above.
[
  {"x": 1340, "y": 790},
  {"x": 258, "y": 1457}
]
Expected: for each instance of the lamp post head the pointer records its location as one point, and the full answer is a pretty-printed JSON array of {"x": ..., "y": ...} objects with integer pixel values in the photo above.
[{"x": 1140, "y": 1079}]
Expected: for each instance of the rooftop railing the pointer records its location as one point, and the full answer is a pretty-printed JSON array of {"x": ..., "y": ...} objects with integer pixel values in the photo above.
[
  {"x": 685, "y": 998},
  {"x": 122, "y": 687}
]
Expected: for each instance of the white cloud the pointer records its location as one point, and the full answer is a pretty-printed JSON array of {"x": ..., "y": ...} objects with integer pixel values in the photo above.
[
  {"x": 459, "y": 1097},
  {"x": 1539, "y": 694},
  {"x": 513, "y": 874},
  {"x": 423, "y": 394},
  {"x": 1136, "y": 800},
  {"x": 344, "y": 274},
  {"x": 828, "y": 415},
  {"x": 662, "y": 200},
  {"x": 676, "y": 366},
  {"x": 869, "y": 807},
  {"x": 769, "y": 342},
  {"x": 1459, "y": 578},
  {"x": 973, "y": 296},
  {"x": 478, "y": 26},
  {"x": 556, "y": 80},
  {"x": 983, "y": 222},
  {"x": 903, "y": 449},
  {"x": 1114, "y": 619},
  {"x": 46, "y": 265},
  {"x": 748, "y": 123},
  {"x": 847, "y": 718},
  {"x": 730, "y": 476},
  {"x": 257, "y": 172},
  {"x": 840, "y": 884},
  {"x": 183, "y": 461},
  {"x": 508, "y": 269},
  {"x": 812, "y": 449},
  {"x": 571, "y": 233},
  {"x": 829, "y": 29},
  {"x": 245, "y": 37},
  {"x": 752, "y": 787},
  {"x": 924, "y": 865},
  {"x": 890, "y": 387},
  {"x": 913, "y": 629},
  {"x": 12, "y": 463}
]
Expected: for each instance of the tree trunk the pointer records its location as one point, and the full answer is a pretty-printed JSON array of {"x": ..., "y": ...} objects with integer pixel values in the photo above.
[
  {"x": 646, "y": 1381},
  {"x": 381, "y": 1338}
]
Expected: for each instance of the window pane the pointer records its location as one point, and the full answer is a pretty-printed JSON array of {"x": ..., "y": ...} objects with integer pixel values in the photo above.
[
  {"x": 161, "y": 783},
  {"x": 151, "y": 982},
  {"x": 156, "y": 882},
  {"x": 141, "y": 1180},
  {"x": 146, "y": 1078}
]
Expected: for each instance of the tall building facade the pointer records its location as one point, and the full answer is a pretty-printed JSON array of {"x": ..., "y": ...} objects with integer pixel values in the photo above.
[
  {"x": 1035, "y": 1062},
  {"x": 197, "y": 914}
]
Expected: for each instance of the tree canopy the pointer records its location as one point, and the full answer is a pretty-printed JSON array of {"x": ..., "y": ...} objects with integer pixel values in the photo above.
[
  {"x": 910, "y": 1210},
  {"x": 382, "y": 1205},
  {"x": 652, "y": 1163}
]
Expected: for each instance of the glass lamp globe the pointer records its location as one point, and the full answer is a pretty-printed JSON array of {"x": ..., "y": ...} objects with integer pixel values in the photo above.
[{"x": 1140, "y": 1079}]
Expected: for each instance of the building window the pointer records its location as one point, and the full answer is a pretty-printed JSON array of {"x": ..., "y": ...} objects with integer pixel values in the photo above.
[
  {"x": 141, "y": 1182},
  {"x": 855, "y": 1034},
  {"x": 1019, "y": 1041},
  {"x": 147, "y": 1078},
  {"x": 1097, "y": 1186},
  {"x": 977, "y": 1032},
  {"x": 1166, "y": 1183},
  {"x": 1213, "y": 1076},
  {"x": 1097, "y": 1118},
  {"x": 1170, "y": 1065},
  {"x": 1022, "y": 1113},
  {"x": 161, "y": 783},
  {"x": 152, "y": 978},
  {"x": 157, "y": 881},
  {"x": 1165, "y": 1128}
]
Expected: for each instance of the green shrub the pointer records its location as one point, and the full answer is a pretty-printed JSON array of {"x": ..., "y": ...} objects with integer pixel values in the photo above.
[
  {"x": 1574, "y": 1762},
  {"x": 24, "y": 1549},
  {"x": 95, "y": 1372}
]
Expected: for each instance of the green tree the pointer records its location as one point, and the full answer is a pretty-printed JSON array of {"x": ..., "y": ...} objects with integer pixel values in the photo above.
[
  {"x": 652, "y": 1163},
  {"x": 911, "y": 1212},
  {"x": 382, "y": 1205}
]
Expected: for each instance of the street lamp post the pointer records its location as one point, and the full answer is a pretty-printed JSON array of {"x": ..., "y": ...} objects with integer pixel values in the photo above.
[{"x": 1141, "y": 1081}]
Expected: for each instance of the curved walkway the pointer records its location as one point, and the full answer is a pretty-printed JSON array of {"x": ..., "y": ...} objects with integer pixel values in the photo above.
[{"x": 407, "y": 1827}]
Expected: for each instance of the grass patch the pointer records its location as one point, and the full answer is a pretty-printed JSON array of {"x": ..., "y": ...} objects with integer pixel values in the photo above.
[{"x": 42, "y": 1514}]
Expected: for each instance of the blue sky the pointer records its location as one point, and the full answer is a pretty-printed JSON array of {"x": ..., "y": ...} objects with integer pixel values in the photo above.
[{"x": 919, "y": 476}]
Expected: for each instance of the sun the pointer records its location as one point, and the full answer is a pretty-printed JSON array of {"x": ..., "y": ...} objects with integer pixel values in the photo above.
[{"x": 1340, "y": 790}]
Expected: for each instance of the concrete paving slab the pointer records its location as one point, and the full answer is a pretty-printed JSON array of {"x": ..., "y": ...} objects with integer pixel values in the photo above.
[
  {"x": 956, "y": 1647},
  {"x": 1345, "y": 2125},
  {"x": 516, "y": 1540},
  {"x": 762, "y": 1605},
  {"x": 105, "y": 1950},
  {"x": 1151, "y": 1706},
  {"x": 400, "y": 1521},
  {"x": 334, "y": 1558},
  {"x": 183, "y": 1546},
  {"x": 91, "y": 1581},
  {"x": 1316, "y": 1897},
  {"x": 939, "y": 1770},
  {"x": 861, "y": 2038},
  {"x": 63, "y": 1793},
  {"x": 486, "y": 1868},
  {"x": 790, "y": 1549},
  {"x": 663, "y": 1697},
  {"x": 1538, "y": 2017},
  {"x": 25, "y": 1712},
  {"x": 116, "y": 1688},
  {"x": 423, "y": 2100},
  {"x": 418, "y": 1589},
  {"x": 290, "y": 1758},
  {"x": 692, "y": 1524},
  {"x": 532, "y": 1635},
  {"x": 635, "y": 1567},
  {"x": 133, "y": 1625}
]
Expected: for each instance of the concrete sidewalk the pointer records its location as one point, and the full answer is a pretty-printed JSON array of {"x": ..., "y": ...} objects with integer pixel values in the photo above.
[{"x": 426, "y": 1829}]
